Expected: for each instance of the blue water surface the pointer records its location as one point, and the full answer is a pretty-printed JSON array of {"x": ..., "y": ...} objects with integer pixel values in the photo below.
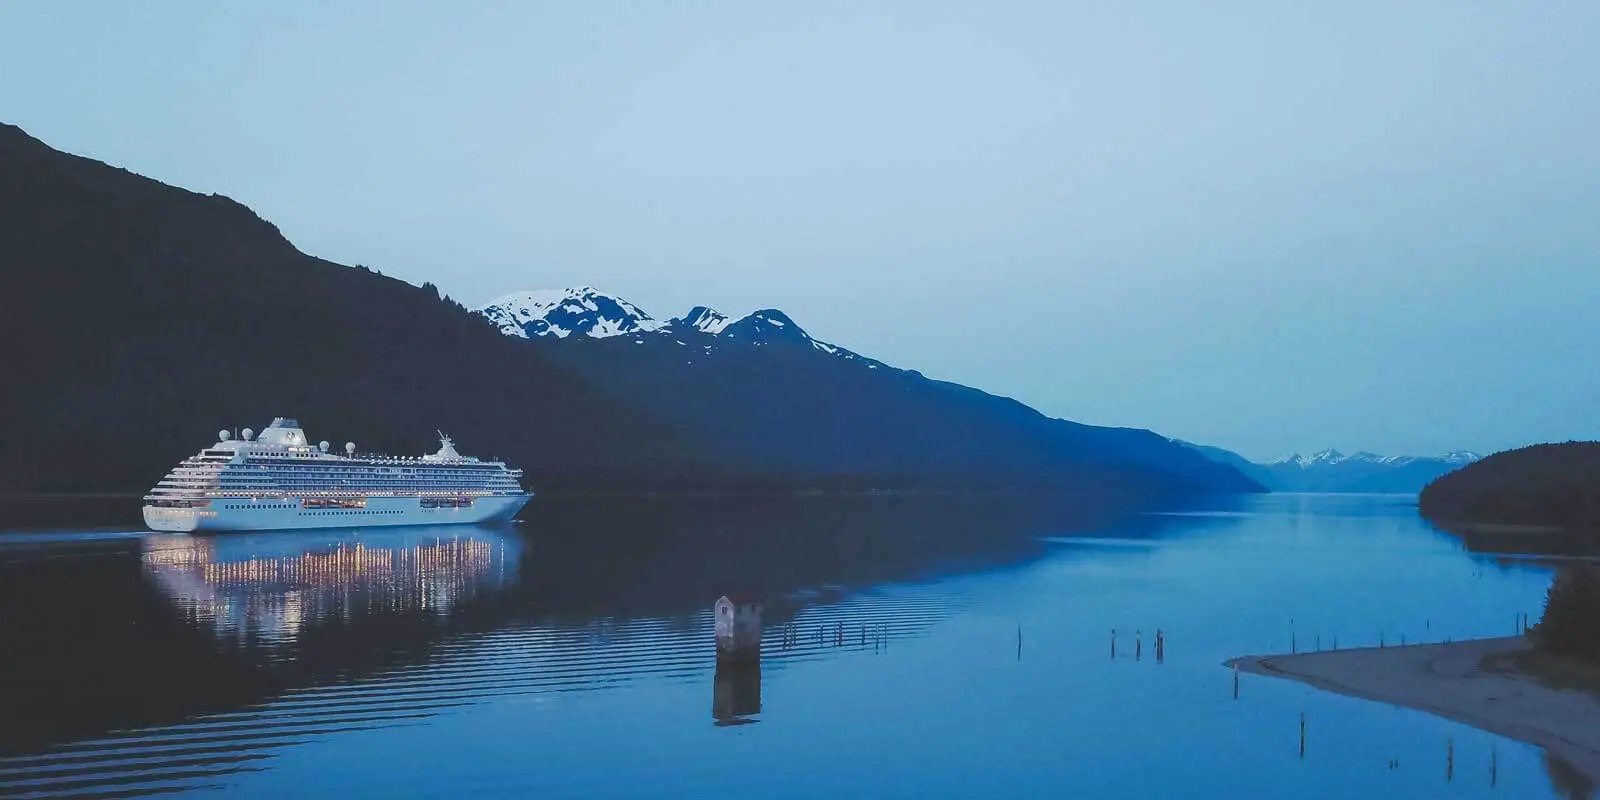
[{"x": 913, "y": 648}]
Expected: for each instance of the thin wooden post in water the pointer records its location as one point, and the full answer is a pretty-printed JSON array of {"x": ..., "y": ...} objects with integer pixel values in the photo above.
[
  {"x": 1319, "y": 642},
  {"x": 1302, "y": 736},
  {"x": 1138, "y": 644},
  {"x": 1494, "y": 766},
  {"x": 1113, "y": 642},
  {"x": 1449, "y": 759},
  {"x": 1236, "y": 680},
  {"x": 1380, "y": 639},
  {"x": 1294, "y": 644}
]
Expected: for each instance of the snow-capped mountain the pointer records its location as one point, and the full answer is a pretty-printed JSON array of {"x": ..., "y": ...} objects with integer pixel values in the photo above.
[
  {"x": 1329, "y": 458},
  {"x": 564, "y": 312},
  {"x": 1334, "y": 471},
  {"x": 761, "y": 390},
  {"x": 587, "y": 312}
]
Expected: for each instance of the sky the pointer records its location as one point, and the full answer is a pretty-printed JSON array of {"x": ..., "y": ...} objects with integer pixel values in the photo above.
[{"x": 1270, "y": 226}]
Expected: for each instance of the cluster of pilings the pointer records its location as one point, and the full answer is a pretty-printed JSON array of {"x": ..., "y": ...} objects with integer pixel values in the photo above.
[{"x": 1160, "y": 644}]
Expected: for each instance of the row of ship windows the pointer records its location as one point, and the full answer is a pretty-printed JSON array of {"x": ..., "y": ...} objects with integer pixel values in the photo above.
[
  {"x": 325, "y": 513},
  {"x": 306, "y": 467},
  {"x": 430, "y": 475},
  {"x": 286, "y": 464},
  {"x": 346, "y": 482}
]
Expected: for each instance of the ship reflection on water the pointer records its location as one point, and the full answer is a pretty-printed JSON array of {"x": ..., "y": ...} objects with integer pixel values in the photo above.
[{"x": 266, "y": 588}]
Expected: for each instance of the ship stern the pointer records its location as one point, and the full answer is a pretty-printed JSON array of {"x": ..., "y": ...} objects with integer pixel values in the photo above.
[{"x": 171, "y": 520}]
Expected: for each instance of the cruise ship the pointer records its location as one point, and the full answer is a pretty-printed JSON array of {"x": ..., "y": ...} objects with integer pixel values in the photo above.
[{"x": 281, "y": 481}]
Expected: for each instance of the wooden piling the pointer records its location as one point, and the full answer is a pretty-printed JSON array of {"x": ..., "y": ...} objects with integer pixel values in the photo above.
[
  {"x": 1302, "y": 736},
  {"x": 1494, "y": 766},
  {"x": 1019, "y": 641},
  {"x": 1113, "y": 642},
  {"x": 1138, "y": 644},
  {"x": 1236, "y": 680},
  {"x": 1449, "y": 759}
]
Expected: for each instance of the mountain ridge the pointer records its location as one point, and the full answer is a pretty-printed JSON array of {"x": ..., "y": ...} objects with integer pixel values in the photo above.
[
  {"x": 1331, "y": 470},
  {"x": 589, "y": 312}
]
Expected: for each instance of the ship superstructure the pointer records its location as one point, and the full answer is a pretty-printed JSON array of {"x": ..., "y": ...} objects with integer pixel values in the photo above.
[{"x": 281, "y": 481}]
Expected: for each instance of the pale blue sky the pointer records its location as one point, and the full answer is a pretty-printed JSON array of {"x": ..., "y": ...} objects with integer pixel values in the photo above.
[{"x": 1267, "y": 226}]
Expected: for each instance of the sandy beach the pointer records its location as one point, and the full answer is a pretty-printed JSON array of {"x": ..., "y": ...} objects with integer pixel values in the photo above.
[{"x": 1453, "y": 681}]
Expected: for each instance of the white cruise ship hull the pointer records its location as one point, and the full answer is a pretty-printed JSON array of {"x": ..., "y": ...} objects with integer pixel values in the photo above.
[{"x": 289, "y": 513}]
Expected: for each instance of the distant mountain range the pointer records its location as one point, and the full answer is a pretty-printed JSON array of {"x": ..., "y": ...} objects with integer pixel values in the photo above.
[
  {"x": 142, "y": 317},
  {"x": 1333, "y": 471}
]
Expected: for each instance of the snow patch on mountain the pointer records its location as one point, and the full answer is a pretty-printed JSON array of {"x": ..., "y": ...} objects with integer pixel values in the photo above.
[
  {"x": 564, "y": 312},
  {"x": 707, "y": 320}
]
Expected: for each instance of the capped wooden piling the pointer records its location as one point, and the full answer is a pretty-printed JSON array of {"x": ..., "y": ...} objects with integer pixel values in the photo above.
[{"x": 738, "y": 628}]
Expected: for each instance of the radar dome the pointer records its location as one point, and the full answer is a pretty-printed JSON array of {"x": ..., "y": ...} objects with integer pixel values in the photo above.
[
  {"x": 350, "y": 447},
  {"x": 223, "y": 435},
  {"x": 323, "y": 445},
  {"x": 249, "y": 433}
]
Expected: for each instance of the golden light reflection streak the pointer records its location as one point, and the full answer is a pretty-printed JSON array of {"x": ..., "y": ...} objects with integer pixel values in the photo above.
[{"x": 276, "y": 597}]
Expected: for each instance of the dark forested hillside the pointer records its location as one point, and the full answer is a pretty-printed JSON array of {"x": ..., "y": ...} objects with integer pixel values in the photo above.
[
  {"x": 761, "y": 395},
  {"x": 141, "y": 318},
  {"x": 1571, "y": 606},
  {"x": 1545, "y": 484}
]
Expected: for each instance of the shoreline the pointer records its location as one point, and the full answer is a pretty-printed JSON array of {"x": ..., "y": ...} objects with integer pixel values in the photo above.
[{"x": 1471, "y": 682}]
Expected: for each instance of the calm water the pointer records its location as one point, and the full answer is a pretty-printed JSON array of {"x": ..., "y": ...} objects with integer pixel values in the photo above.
[{"x": 571, "y": 655}]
